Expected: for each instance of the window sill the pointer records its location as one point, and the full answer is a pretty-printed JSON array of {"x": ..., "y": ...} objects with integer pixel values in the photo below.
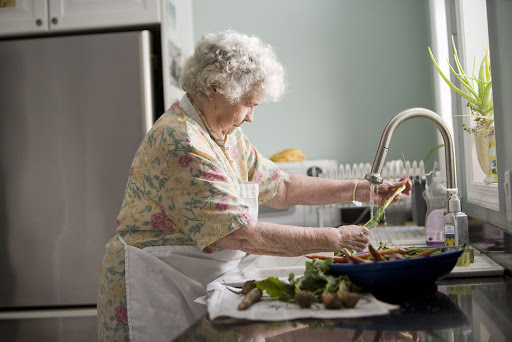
[{"x": 484, "y": 195}]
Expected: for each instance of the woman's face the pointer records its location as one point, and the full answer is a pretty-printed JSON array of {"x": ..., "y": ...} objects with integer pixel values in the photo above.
[{"x": 224, "y": 117}]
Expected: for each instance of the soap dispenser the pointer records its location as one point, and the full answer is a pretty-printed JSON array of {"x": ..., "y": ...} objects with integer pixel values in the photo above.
[
  {"x": 456, "y": 228},
  {"x": 435, "y": 196}
]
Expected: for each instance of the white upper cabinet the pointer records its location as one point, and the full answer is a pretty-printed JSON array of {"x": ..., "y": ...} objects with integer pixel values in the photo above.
[
  {"x": 38, "y": 16},
  {"x": 23, "y": 16},
  {"x": 79, "y": 14}
]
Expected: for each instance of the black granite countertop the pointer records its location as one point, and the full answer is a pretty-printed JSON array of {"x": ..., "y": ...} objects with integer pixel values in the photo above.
[{"x": 462, "y": 309}]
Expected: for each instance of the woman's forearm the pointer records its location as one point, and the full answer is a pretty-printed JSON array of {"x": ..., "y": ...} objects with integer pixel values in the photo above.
[
  {"x": 303, "y": 190},
  {"x": 280, "y": 240}
]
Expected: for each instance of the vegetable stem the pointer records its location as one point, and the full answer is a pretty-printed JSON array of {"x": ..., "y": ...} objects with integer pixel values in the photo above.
[{"x": 378, "y": 216}]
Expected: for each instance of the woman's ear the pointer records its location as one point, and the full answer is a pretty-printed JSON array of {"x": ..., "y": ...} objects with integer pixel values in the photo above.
[
  {"x": 213, "y": 91},
  {"x": 214, "y": 86},
  {"x": 211, "y": 94}
]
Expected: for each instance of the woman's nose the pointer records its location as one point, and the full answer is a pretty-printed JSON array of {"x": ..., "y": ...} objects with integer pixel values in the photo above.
[{"x": 248, "y": 117}]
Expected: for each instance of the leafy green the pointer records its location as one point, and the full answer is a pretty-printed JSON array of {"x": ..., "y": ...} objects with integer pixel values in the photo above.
[
  {"x": 316, "y": 280},
  {"x": 276, "y": 288},
  {"x": 341, "y": 253}
]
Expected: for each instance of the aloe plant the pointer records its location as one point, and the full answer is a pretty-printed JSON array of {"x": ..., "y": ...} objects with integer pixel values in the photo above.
[{"x": 476, "y": 90}]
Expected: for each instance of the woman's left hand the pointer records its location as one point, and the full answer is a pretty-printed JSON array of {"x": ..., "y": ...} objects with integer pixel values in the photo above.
[{"x": 385, "y": 190}]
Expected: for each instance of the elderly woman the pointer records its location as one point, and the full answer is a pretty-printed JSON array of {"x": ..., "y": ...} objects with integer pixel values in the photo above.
[{"x": 190, "y": 208}]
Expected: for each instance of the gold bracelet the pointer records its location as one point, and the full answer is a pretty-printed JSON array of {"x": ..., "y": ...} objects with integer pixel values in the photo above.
[{"x": 354, "y": 192}]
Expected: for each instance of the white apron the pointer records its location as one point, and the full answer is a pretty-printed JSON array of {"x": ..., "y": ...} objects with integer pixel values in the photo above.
[{"x": 163, "y": 282}]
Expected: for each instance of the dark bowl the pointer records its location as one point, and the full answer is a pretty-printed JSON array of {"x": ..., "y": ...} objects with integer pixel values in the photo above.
[{"x": 410, "y": 274}]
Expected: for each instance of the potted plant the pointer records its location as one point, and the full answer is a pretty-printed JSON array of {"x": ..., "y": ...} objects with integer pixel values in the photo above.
[{"x": 477, "y": 90}]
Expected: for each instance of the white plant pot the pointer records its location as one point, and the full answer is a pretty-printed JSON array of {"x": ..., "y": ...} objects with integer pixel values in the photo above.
[
  {"x": 482, "y": 150},
  {"x": 492, "y": 172}
]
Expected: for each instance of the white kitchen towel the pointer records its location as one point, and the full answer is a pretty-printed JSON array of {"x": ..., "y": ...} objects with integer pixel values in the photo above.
[{"x": 224, "y": 303}]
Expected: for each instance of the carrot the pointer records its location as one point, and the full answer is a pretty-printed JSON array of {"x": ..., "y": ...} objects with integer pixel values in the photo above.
[
  {"x": 250, "y": 298},
  {"x": 382, "y": 252},
  {"x": 357, "y": 260},
  {"x": 343, "y": 260},
  {"x": 375, "y": 254},
  {"x": 336, "y": 259},
  {"x": 425, "y": 253}
]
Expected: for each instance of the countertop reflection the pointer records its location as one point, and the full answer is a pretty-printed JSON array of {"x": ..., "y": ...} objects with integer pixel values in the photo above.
[{"x": 472, "y": 309}]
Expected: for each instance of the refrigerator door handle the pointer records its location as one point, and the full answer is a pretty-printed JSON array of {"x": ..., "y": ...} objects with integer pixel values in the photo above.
[
  {"x": 146, "y": 75},
  {"x": 48, "y": 313}
]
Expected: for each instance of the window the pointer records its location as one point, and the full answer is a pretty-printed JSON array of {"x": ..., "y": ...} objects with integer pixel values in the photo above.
[
  {"x": 466, "y": 21},
  {"x": 472, "y": 40}
]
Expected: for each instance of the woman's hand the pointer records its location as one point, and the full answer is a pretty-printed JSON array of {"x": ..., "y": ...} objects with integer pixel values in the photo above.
[
  {"x": 383, "y": 190},
  {"x": 264, "y": 238},
  {"x": 353, "y": 237}
]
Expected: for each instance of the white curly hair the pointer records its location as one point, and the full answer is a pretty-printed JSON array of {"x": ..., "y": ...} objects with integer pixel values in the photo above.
[{"x": 236, "y": 65}]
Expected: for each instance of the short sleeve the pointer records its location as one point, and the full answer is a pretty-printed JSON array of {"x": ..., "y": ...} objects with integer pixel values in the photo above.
[{"x": 262, "y": 171}]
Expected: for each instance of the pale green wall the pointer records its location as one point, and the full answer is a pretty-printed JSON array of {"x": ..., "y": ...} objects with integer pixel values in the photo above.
[{"x": 352, "y": 65}]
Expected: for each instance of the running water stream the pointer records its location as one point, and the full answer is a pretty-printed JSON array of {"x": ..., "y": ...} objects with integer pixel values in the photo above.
[{"x": 374, "y": 188}]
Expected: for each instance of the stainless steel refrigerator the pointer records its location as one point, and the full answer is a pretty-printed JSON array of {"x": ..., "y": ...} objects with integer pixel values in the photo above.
[{"x": 73, "y": 110}]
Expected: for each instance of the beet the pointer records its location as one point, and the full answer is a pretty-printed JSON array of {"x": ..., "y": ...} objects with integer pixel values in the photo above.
[
  {"x": 331, "y": 301},
  {"x": 305, "y": 299}
]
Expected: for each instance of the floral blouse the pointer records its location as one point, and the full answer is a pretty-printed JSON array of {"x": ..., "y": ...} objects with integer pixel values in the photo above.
[
  {"x": 181, "y": 190},
  {"x": 182, "y": 184}
]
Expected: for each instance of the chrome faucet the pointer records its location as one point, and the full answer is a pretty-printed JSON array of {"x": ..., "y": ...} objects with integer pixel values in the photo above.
[{"x": 374, "y": 176}]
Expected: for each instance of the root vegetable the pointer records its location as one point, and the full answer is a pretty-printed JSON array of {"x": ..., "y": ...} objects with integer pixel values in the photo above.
[
  {"x": 375, "y": 254},
  {"x": 335, "y": 259},
  {"x": 305, "y": 299},
  {"x": 350, "y": 299},
  {"x": 343, "y": 260},
  {"x": 248, "y": 286},
  {"x": 331, "y": 301},
  {"x": 426, "y": 252},
  {"x": 354, "y": 259},
  {"x": 396, "y": 256},
  {"x": 250, "y": 298}
]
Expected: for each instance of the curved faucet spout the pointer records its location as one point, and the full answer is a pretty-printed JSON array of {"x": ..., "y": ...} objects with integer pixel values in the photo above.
[{"x": 382, "y": 151}]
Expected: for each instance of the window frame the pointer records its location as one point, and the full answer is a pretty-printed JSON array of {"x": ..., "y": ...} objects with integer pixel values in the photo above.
[{"x": 478, "y": 193}]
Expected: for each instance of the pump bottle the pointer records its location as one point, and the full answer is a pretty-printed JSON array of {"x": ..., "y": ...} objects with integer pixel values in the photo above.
[
  {"x": 456, "y": 227},
  {"x": 436, "y": 200}
]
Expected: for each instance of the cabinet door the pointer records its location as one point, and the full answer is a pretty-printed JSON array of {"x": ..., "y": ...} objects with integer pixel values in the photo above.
[
  {"x": 67, "y": 15},
  {"x": 23, "y": 16}
]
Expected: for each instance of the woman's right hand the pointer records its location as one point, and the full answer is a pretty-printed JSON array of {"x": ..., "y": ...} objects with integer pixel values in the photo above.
[{"x": 353, "y": 237}]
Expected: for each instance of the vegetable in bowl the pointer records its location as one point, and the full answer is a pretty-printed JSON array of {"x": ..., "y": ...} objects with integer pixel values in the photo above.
[{"x": 416, "y": 267}]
